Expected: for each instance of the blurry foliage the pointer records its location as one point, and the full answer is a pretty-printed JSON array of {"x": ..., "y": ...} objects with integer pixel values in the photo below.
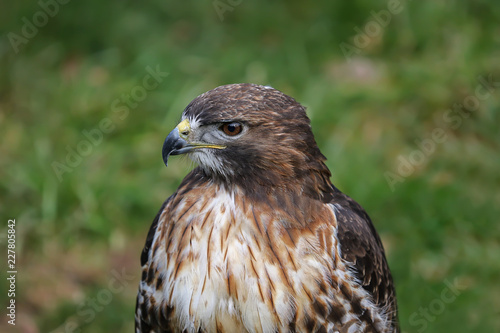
[{"x": 439, "y": 224}]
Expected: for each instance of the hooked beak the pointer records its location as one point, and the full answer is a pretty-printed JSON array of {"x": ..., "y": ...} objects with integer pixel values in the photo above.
[
  {"x": 173, "y": 145},
  {"x": 177, "y": 142}
]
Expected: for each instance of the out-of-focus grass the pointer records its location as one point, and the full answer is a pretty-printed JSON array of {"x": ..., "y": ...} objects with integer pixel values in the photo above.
[{"x": 438, "y": 225}]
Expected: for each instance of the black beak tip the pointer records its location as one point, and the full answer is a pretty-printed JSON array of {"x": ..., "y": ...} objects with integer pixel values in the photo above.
[
  {"x": 165, "y": 160},
  {"x": 165, "y": 154}
]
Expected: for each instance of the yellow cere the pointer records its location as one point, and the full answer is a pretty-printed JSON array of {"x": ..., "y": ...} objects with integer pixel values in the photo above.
[{"x": 184, "y": 128}]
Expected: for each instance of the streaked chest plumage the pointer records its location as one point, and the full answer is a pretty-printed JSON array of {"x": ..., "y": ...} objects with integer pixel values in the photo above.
[{"x": 220, "y": 264}]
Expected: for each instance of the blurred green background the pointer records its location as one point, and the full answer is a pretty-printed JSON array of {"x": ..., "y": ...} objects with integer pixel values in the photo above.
[{"x": 64, "y": 73}]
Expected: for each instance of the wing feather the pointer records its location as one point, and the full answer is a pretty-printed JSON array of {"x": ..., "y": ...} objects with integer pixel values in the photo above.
[
  {"x": 361, "y": 245},
  {"x": 151, "y": 233}
]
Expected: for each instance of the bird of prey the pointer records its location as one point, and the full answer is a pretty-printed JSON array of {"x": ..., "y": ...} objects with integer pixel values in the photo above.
[{"x": 256, "y": 238}]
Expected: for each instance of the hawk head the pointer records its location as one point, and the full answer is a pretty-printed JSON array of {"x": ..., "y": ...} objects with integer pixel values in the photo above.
[{"x": 251, "y": 136}]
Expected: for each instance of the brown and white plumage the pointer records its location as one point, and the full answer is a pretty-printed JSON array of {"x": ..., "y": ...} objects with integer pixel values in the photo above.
[{"x": 256, "y": 238}]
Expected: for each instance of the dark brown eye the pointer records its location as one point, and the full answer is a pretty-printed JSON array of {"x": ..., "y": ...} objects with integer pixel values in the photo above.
[{"x": 231, "y": 129}]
